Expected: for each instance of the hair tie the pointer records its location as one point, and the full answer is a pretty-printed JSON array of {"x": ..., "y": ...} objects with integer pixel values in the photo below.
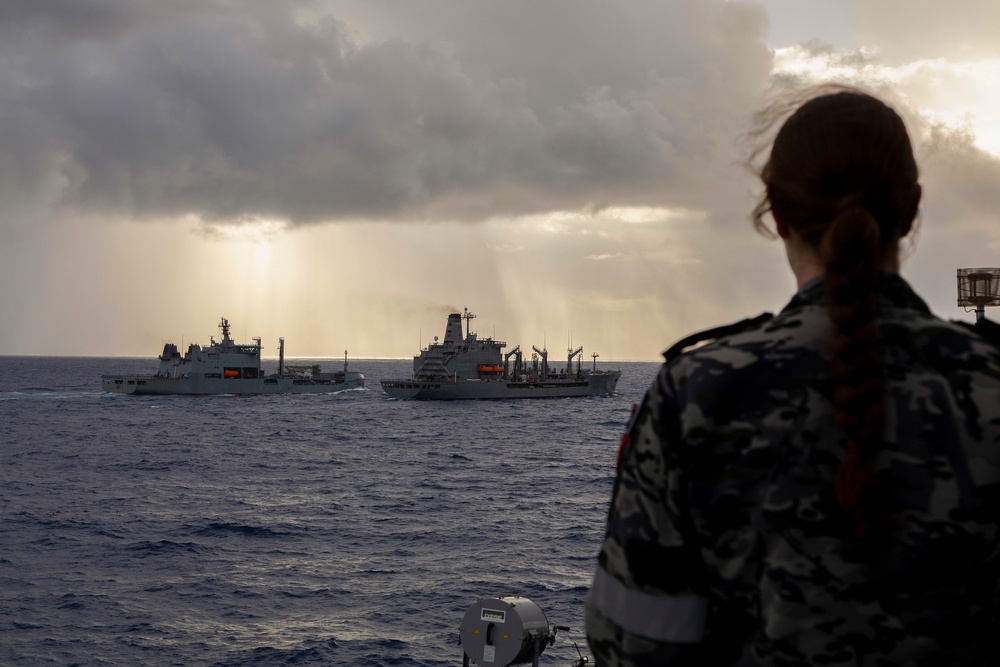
[{"x": 849, "y": 202}]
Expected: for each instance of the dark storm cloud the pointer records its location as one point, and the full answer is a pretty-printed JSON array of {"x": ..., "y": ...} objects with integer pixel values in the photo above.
[
  {"x": 311, "y": 111},
  {"x": 68, "y": 19}
]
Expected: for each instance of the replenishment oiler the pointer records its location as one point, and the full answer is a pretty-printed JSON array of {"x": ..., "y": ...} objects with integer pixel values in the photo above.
[
  {"x": 473, "y": 368},
  {"x": 227, "y": 367}
]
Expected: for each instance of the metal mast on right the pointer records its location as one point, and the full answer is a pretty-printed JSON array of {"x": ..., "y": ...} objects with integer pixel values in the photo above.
[{"x": 978, "y": 288}]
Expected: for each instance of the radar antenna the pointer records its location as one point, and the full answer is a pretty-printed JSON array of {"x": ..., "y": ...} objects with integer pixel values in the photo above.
[{"x": 979, "y": 288}]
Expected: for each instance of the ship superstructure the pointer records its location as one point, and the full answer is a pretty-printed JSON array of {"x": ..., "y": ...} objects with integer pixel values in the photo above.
[
  {"x": 469, "y": 367},
  {"x": 228, "y": 367}
]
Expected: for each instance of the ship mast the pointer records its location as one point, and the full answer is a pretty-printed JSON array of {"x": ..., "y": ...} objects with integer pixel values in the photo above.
[
  {"x": 467, "y": 316},
  {"x": 224, "y": 325}
]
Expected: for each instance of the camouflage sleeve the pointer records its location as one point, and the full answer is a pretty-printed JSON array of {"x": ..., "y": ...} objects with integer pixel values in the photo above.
[{"x": 648, "y": 603}]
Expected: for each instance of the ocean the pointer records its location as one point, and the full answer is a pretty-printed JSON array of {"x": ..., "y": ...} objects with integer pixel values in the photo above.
[{"x": 346, "y": 529}]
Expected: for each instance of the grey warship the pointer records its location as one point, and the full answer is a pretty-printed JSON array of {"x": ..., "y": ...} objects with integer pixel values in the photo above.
[
  {"x": 470, "y": 367},
  {"x": 227, "y": 367}
]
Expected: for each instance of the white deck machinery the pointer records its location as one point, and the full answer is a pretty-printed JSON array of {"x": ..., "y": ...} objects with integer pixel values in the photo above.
[
  {"x": 507, "y": 630},
  {"x": 978, "y": 288}
]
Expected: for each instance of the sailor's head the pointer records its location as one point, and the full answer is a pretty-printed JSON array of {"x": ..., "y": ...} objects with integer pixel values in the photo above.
[{"x": 843, "y": 156}]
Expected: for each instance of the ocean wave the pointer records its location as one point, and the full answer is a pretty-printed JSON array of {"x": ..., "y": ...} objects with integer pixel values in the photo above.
[
  {"x": 165, "y": 547},
  {"x": 313, "y": 653},
  {"x": 44, "y": 394},
  {"x": 223, "y": 528}
]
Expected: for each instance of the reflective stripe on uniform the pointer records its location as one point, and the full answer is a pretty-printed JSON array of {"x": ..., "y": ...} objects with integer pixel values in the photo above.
[{"x": 667, "y": 618}]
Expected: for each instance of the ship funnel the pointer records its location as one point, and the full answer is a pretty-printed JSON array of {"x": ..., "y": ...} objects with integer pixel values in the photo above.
[{"x": 453, "y": 334}]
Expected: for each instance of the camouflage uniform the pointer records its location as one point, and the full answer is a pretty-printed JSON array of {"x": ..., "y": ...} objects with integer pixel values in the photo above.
[{"x": 725, "y": 544}]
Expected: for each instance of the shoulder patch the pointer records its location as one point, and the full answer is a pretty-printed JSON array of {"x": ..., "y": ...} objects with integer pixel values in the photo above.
[
  {"x": 627, "y": 435},
  {"x": 683, "y": 344}
]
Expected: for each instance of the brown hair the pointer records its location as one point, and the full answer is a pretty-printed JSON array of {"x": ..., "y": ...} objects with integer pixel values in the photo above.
[{"x": 842, "y": 177}]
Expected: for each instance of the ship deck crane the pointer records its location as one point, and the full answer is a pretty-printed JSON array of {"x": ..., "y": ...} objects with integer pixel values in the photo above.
[
  {"x": 544, "y": 354},
  {"x": 569, "y": 360},
  {"x": 518, "y": 370}
]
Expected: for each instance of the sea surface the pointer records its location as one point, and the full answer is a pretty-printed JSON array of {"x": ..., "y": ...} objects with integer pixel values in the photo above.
[{"x": 346, "y": 529}]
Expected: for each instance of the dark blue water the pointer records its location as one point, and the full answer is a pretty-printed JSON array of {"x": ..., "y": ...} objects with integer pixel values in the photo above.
[{"x": 346, "y": 529}]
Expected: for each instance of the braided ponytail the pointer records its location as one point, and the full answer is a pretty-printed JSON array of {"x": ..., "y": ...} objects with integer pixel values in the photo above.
[{"x": 850, "y": 251}]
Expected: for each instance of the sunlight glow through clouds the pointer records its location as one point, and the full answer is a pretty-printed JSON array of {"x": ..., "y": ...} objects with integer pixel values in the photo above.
[
  {"x": 958, "y": 94},
  {"x": 249, "y": 252},
  {"x": 562, "y": 222},
  {"x": 256, "y": 230},
  {"x": 643, "y": 215}
]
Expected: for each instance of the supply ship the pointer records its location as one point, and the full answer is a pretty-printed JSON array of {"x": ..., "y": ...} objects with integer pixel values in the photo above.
[
  {"x": 473, "y": 368},
  {"x": 227, "y": 367}
]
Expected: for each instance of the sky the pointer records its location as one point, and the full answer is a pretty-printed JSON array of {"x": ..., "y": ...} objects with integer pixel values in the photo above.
[{"x": 344, "y": 174}]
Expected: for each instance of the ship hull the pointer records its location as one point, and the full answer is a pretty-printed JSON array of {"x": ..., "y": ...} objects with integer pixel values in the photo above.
[
  {"x": 430, "y": 390},
  {"x": 152, "y": 385}
]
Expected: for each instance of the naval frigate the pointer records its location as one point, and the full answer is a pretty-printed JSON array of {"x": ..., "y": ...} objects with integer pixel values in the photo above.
[
  {"x": 227, "y": 367},
  {"x": 469, "y": 367}
]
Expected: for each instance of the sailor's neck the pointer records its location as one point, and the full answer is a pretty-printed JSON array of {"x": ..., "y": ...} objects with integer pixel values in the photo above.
[{"x": 806, "y": 265}]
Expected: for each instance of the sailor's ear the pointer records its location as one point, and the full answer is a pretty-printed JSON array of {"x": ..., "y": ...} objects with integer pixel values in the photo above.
[
  {"x": 911, "y": 213},
  {"x": 784, "y": 231}
]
